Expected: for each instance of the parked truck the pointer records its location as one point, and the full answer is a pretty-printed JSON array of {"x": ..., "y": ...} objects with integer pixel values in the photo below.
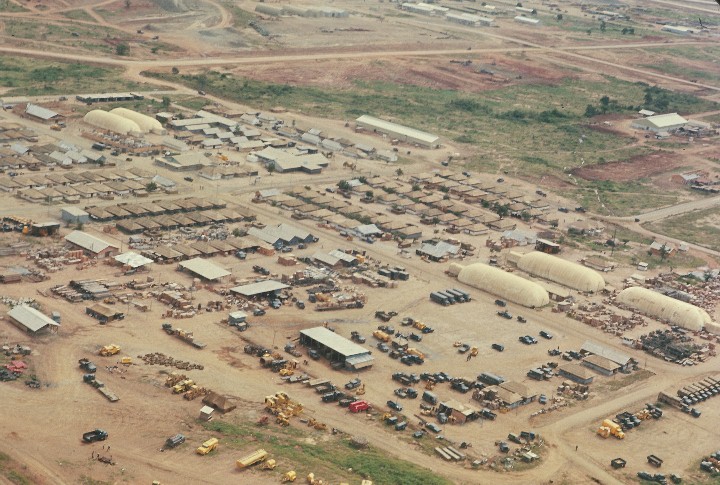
[
  {"x": 252, "y": 458},
  {"x": 174, "y": 441},
  {"x": 182, "y": 335},
  {"x": 439, "y": 298},
  {"x": 95, "y": 435},
  {"x": 207, "y": 446},
  {"x": 87, "y": 366}
]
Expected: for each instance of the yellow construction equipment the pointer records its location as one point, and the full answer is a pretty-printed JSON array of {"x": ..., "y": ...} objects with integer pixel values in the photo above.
[
  {"x": 252, "y": 458},
  {"x": 126, "y": 361},
  {"x": 269, "y": 465},
  {"x": 286, "y": 372},
  {"x": 314, "y": 423},
  {"x": 108, "y": 350},
  {"x": 208, "y": 446},
  {"x": 183, "y": 386},
  {"x": 615, "y": 429},
  {"x": 421, "y": 326},
  {"x": 360, "y": 390},
  {"x": 430, "y": 385},
  {"x": 474, "y": 352},
  {"x": 457, "y": 343},
  {"x": 382, "y": 336},
  {"x": 603, "y": 431},
  {"x": 312, "y": 481},
  {"x": 282, "y": 420},
  {"x": 386, "y": 416},
  {"x": 289, "y": 476},
  {"x": 414, "y": 351}
]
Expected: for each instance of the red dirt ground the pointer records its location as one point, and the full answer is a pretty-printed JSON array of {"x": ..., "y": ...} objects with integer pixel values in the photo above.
[
  {"x": 637, "y": 167},
  {"x": 431, "y": 73}
]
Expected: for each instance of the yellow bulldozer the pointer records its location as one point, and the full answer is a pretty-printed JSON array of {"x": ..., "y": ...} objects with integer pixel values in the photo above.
[
  {"x": 317, "y": 424},
  {"x": 289, "y": 476},
  {"x": 312, "y": 480},
  {"x": 269, "y": 465},
  {"x": 360, "y": 390},
  {"x": 174, "y": 378},
  {"x": 183, "y": 386},
  {"x": 108, "y": 350}
]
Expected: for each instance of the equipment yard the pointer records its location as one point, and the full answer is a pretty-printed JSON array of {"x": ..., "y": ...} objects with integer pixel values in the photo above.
[{"x": 367, "y": 244}]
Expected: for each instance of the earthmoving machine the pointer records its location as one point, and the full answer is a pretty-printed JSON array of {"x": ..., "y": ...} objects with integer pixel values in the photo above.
[
  {"x": 183, "y": 386},
  {"x": 610, "y": 428},
  {"x": 312, "y": 481},
  {"x": 182, "y": 335},
  {"x": 474, "y": 352},
  {"x": 194, "y": 392},
  {"x": 207, "y": 446},
  {"x": 314, "y": 423},
  {"x": 174, "y": 378},
  {"x": 289, "y": 476},
  {"x": 109, "y": 350},
  {"x": 252, "y": 458},
  {"x": 360, "y": 390},
  {"x": 269, "y": 465}
]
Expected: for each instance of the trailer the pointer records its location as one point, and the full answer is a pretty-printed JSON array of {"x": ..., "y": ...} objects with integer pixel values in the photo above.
[
  {"x": 439, "y": 298},
  {"x": 465, "y": 294},
  {"x": 457, "y": 296},
  {"x": 450, "y": 298},
  {"x": 111, "y": 396},
  {"x": 252, "y": 458},
  {"x": 655, "y": 461}
]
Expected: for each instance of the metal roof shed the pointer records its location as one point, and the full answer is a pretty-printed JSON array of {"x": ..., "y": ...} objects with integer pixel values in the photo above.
[
  {"x": 255, "y": 289},
  {"x": 31, "y": 320},
  {"x": 204, "y": 269},
  {"x": 134, "y": 260},
  {"x": 335, "y": 346},
  {"x": 399, "y": 131}
]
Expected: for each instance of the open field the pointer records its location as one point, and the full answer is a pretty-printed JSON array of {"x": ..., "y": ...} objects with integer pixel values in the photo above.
[
  {"x": 701, "y": 227},
  {"x": 25, "y": 77}
]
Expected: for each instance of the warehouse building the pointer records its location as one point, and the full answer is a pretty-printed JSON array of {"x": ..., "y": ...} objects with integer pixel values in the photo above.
[
  {"x": 678, "y": 29},
  {"x": 43, "y": 115},
  {"x": 527, "y": 20},
  {"x": 664, "y": 308},
  {"x": 282, "y": 235},
  {"x": 400, "y": 132},
  {"x": 204, "y": 269},
  {"x": 340, "y": 351},
  {"x": 260, "y": 289},
  {"x": 469, "y": 19},
  {"x": 108, "y": 97},
  {"x": 502, "y": 284},
  {"x": 74, "y": 215},
  {"x": 103, "y": 314},
  {"x": 657, "y": 123},
  {"x": 132, "y": 260},
  {"x": 31, "y": 320},
  {"x": 576, "y": 373},
  {"x": 560, "y": 271},
  {"x": 112, "y": 122},
  {"x": 146, "y": 123},
  {"x": 91, "y": 245}
]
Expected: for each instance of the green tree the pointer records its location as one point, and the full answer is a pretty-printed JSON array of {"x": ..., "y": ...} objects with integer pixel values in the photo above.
[
  {"x": 165, "y": 103},
  {"x": 525, "y": 215},
  {"x": 175, "y": 70},
  {"x": 399, "y": 172},
  {"x": 588, "y": 31},
  {"x": 603, "y": 26},
  {"x": 559, "y": 17},
  {"x": 122, "y": 49},
  {"x": 369, "y": 194},
  {"x": 151, "y": 187},
  {"x": 344, "y": 185},
  {"x": 271, "y": 167}
]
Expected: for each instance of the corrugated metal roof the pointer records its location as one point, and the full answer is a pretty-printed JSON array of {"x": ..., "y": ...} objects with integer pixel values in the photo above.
[
  {"x": 253, "y": 289},
  {"x": 31, "y": 318},
  {"x": 88, "y": 242},
  {"x": 203, "y": 267},
  {"x": 132, "y": 259},
  {"x": 40, "y": 112},
  {"x": 398, "y": 129},
  {"x": 614, "y": 355},
  {"x": 339, "y": 344}
]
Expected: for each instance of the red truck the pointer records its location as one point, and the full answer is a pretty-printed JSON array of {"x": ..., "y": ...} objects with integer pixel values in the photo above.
[{"x": 358, "y": 406}]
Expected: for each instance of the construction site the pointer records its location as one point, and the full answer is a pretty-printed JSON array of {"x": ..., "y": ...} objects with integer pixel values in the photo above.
[{"x": 364, "y": 244}]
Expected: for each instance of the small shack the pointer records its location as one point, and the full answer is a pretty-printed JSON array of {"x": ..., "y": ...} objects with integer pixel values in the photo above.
[
  {"x": 104, "y": 314},
  {"x": 206, "y": 413}
]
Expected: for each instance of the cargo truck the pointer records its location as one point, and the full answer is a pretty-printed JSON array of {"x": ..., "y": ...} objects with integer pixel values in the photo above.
[
  {"x": 439, "y": 298},
  {"x": 252, "y": 458}
]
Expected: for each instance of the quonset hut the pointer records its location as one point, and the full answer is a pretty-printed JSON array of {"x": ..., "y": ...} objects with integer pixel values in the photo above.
[
  {"x": 502, "y": 284},
  {"x": 561, "y": 271},
  {"x": 664, "y": 308}
]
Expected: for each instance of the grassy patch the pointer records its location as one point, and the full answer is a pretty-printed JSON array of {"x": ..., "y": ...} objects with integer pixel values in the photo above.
[
  {"x": 620, "y": 381},
  {"x": 620, "y": 198},
  {"x": 12, "y": 471},
  {"x": 668, "y": 67},
  {"x": 37, "y": 77},
  {"x": 86, "y": 37},
  {"x": 329, "y": 458},
  {"x": 8, "y": 6},
  {"x": 194, "y": 103},
  {"x": 695, "y": 227},
  {"x": 78, "y": 14},
  {"x": 241, "y": 17}
]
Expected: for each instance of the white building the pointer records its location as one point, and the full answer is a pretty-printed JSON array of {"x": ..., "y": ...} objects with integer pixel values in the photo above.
[{"x": 657, "y": 123}]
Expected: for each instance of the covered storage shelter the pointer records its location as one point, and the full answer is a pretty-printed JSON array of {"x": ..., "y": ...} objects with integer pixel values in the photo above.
[
  {"x": 501, "y": 283},
  {"x": 670, "y": 310},
  {"x": 561, "y": 271},
  {"x": 336, "y": 349}
]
